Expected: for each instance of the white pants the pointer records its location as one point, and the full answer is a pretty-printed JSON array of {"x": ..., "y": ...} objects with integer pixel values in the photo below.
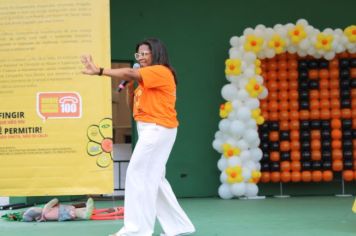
[{"x": 147, "y": 192}]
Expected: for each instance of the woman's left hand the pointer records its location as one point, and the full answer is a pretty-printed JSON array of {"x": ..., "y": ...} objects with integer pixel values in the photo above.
[{"x": 90, "y": 67}]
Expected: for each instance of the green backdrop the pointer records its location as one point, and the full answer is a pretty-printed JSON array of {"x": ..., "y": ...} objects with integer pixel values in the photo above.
[{"x": 197, "y": 35}]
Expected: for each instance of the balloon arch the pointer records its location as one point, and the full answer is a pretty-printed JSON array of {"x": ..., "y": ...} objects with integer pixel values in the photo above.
[{"x": 295, "y": 71}]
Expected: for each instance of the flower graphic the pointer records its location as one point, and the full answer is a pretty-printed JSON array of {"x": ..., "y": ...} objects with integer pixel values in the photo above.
[
  {"x": 350, "y": 33},
  {"x": 324, "y": 41},
  {"x": 255, "y": 176},
  {"x": 225, "y": 109},
  {"x": 277, "y": 44},
  {"x": 254, "y": 88},
  {"x": 232, "y": 67},
  {"x": 234, "y": 174},
  {"x": 253, "y": 43},
  {"x": 297, "y": 34},
  {"x": 256, "y": 114},
  {"x": 100, "y": 142},
  {"x": 230, "y": 151}
]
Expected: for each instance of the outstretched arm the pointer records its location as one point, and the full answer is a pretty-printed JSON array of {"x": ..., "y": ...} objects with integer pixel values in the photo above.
[
  {"x": 121, "y": 73},
  {"x": 47, "y": 208}
]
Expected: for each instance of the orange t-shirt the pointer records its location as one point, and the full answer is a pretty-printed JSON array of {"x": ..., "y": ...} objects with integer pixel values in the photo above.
[{"x": 155, "y": 97}]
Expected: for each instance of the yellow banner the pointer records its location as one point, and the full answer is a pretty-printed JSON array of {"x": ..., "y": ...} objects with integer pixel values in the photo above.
[{"x": 55, "y": 123}]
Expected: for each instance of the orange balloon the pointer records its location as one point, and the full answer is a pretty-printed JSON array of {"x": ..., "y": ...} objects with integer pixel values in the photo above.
[
  {"x": 294, "y": 115},
  {"x": 353, "y": 112},
  {"x": 353, "y": 93},
  {"x": 316, "y": 155},
  {"x": 275, "y": 176},
  {"x": 272, "y": 65},
  {"x": 292, "y": 56},
  {"x": 295, "y": 145},
  {"x": 315, "y": 114},
  {"x": 273, "y": 115},
  {"x": 334, "y": 84},
  {"x": 293, "y": 105},
  {"x": 292, "y": 75},
  {"x": 334, "y": 63},
  {"x": 337, "y": 165},
  {"x": 285, "y": 146},
  {"x": 294, "y": 135},
  {"x": 336, "y": 144},
  {"x": 274, "y": 136},
  {"x": 265, "y": 115},
  {"x": 285, "y": 166},
  {"x": 314, "y": 104},
  {"x": 295, "y": 166},
  {"x": 274, "y": 156},
  {"x": 348, "y": 175},
  {"x": 283, "y": 85},
  {"x": 327, "y": 175},
  {"x": 314, "y": 94},
  {"x": 324, "y": 104},
  {"x": 306, "y": 176},
  {"x": 295, "y": 156},
  {"x": 323, "y": 84},
  {"x": 272, "y": 75},
  {"x": 346, "y": 113},
  {"x": 324, "y": 74},
  {"x": 313, "y": 74},
  {"x": 284, "y": 115},
  {"x": 272, "y": 85},
  {"x": 304, "y": 115},
  {"x": 265, "y": 177},
  {"x": 354, "y": 125},
  {"x": 336, "y": 154},
  {"x": 283, "y": 96},
  {"x": 315, "y": 134},
  {"x": 315, "y": 145},
  {"x": 317, "y": 176},
  {"x": 336, "y": 124},
  {"x": 273, "y": 96},
  {"x": 284, "y": 125},
  {"x": 263, "y": 105},
  {"x": 335, "y": 103},
  {"x": 336, "y": 134},
  {"x": 273, "y": 105},
  {"x": 285, "y": 176},
  {"x": 334, "y": 93},
  {"x": 335, "y": 113},
  {"x": 296, "y": 176},
  {"x": 294, "y": 124},
  {"x": 283, "y": 105},
  {"x": 353, "y": 72},
  {"x": 325, "y": 114},
  {"x": 293, "y": 95},
  {"x": 324, "y": 94},
  {"x": 282, "y": 57}
]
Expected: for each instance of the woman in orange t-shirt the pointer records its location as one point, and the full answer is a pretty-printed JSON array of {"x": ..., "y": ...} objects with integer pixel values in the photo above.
[{"x": 148, "y": 194}]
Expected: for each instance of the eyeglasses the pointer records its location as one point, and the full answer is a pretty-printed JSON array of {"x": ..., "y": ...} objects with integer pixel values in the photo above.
[{"x": 141, "y": 54}]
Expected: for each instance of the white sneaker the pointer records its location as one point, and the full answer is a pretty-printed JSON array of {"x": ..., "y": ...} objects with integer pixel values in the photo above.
[{"x": 182, "y": 234}]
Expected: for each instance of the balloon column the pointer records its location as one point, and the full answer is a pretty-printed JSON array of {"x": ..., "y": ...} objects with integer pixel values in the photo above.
[{"x": 302, "y": 129}]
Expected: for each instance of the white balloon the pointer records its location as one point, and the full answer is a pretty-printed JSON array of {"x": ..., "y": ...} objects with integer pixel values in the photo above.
[
  {"x": 237, "y": 128},
  {"x": 255, "y": 144},
  {"x": 219, "y": 134},
  {"x": 229, "y": 92},
  {"x": 246, "y": 173},
  {"x": 222, "y": 163},
  {"x": 251, "y": 190},
  {"x": 253, "y": 103},
  {"x": 264, "y": 94},
  {"x": 238, "y": 189},
  {"x": 243, "y": 113},
  {"x": 236, "y": 104},
  {"x": 234, "y": 53},
  {"x": 245, "y": 155},
  {"x": 249, "y": 72},
  {"x": 217, "y": 145},
  {"x": 224, "y": 192},
  {"x": 234, "y": 41},
  {"x": 303, "y": 22},
  {"x": 242, "y": 145},
  {"x": 223, "y": 177},
  {"x": 256, "y": 154},
  {"x": 242, "y": 94},
  {"x": 250, "y": 136},
  {"x": 224, "y": 125},
  {"x": 234, "y": 161},
  {"x": 249, "y": 57},
  {"x": 251, "y": 124}
]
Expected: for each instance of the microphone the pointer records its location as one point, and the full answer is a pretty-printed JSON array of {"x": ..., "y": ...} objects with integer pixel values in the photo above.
[{"x": 124, "y": 82}]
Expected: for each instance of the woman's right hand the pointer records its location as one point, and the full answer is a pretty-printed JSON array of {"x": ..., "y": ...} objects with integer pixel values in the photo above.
[{"x": 90, "y": 67}]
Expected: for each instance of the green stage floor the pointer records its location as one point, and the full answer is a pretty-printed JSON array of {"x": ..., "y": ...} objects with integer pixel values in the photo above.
[{"x": 294, "y": 216}]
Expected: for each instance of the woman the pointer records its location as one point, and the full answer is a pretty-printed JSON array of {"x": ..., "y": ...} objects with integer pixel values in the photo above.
[{"x": 147, "y": 192}]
